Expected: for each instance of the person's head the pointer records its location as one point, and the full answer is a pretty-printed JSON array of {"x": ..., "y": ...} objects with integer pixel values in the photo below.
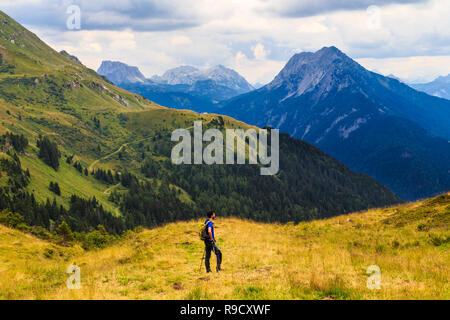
[{"x": 211, "y": 214}]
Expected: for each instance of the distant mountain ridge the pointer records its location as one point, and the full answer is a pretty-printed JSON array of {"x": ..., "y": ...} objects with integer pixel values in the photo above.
[
  {"x": 119, "y": 72},
  {"x": 374, "y": 124},
  {"x": 184, "y": 87},
  {"x": 219, "y": 74},
  {"x": 439, "y": 87}
]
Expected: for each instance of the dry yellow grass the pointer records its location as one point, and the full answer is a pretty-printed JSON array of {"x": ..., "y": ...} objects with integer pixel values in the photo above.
[{"x": 312, "y": 260}]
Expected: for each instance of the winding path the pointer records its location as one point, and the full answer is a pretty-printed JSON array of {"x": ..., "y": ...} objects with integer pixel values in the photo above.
[
  {"x": 108, "y": 191},
  {"x": 115, "y": 152},
  {"x": 120, "y": 149}
]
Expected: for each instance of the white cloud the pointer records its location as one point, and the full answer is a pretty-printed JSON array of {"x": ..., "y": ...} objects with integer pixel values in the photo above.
[
  {"x": 259, "y": 52},
  {"x": 255, "y": 70},
  {"x": 180, "y": 41},
  {"x": 244, "y": 35},
  {"x": 312, "y": 26},
  {"x": 410, "y": 69}
]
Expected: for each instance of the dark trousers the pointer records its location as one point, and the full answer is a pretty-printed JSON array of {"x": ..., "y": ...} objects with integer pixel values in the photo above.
[{"x": 210, "y": 246}]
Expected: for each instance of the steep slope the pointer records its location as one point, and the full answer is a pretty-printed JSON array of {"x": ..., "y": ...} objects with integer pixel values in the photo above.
[
  {"x": 109, "y": 152},
  {"x": 324, "y": 259},
  {"x": 440, "y": 87},
  {"x": 372, "y": 123},
  {"x": 71, "y": 57}
]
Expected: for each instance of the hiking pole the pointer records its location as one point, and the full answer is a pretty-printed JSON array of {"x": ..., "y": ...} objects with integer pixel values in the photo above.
[{"x": 203, "y": 257}]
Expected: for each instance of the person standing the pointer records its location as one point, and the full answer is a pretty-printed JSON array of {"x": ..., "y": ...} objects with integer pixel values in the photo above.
[{"x": 210, "y": 243}]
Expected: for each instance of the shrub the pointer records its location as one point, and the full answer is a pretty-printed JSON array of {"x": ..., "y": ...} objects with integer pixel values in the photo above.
[
  {"x": 422, "y": 227},
  {"x": 10, "y": 219},
  {"x": 438, "y": 241},
  {"x": 395, "y": 244},
  {"x": 99, "y": 238},
  {"x": 40, "y": 232}
]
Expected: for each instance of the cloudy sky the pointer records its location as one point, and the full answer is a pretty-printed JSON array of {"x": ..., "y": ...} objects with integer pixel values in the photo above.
[{"x": 407, "y": 38}]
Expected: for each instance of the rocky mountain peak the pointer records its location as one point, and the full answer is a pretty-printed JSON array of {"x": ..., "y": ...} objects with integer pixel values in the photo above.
[
  {"x": 119, "y": 72},
  {"x": 219, "y": 74},
  {"x": 328, "y": 68}
]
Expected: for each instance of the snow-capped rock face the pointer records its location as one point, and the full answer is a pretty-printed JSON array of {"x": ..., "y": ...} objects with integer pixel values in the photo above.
[
  {"x": 179, "y": 75},
  {"x": 228, "y": 78},
  {"x": 119, "y": 72},
  {"x": 219, "y": 74}
]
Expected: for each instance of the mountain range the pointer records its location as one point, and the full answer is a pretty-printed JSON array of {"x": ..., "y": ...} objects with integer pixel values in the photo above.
[
  {"x": 183, "y": 87},
  {"x": 219, "y": 74},
  {"x": 374, "y": 124},
  {"x": 440, "y": 87},
  {"x": 75, "y": 148}
]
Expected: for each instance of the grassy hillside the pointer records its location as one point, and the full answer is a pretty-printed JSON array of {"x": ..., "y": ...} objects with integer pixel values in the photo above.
[
  {"x": 100, "y": 126},
  {"x": 324, "y": 259},
  {"x": 42, "y": 92}
]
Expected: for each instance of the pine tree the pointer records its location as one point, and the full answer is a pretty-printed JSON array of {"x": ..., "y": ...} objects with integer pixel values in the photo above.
[
  {"x": 64, "y": 231},
  {"x": 54, "y": 187},
  {"x": 49, "y": 153}
]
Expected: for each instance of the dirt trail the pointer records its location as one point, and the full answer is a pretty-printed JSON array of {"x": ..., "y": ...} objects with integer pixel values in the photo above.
[
  {"x": 115, "y": 152},
  {"x": 120, "y": 149},
  {"x": 91, "y": 167},
  {"x": 108, "y": 191}
]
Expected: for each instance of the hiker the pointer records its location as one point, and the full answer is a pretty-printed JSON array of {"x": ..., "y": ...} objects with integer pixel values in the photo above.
[{"x": 210, "y": 242}]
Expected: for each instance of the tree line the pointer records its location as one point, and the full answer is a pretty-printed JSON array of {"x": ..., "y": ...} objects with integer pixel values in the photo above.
[
  {"x": 83, "y": 215},
  {"x": 49, "y": 152},
  {"x": 309, "y": 185},
  {"x": 17, "y": 141}
]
